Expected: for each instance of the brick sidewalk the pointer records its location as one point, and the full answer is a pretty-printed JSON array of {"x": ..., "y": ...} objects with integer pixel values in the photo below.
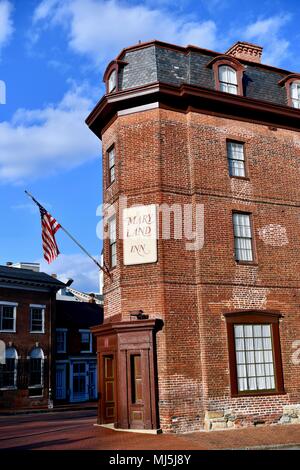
[{"x": 271, "y": 436}]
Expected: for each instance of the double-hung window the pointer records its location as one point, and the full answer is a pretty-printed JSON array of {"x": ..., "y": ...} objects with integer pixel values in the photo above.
[
  {"x": 8, "y": 371},
  {"x": 8, "y": 313},
  {"x": 37, "y": 318},
  {"x": 111, "y": 165},
  {"x": 86, "y": 341},
  {"x": 242, "y": 237},
  {"x": 61, "y": 340},
  {"x": 112, "y": 241},
  {"x": 236, "y": 159}
]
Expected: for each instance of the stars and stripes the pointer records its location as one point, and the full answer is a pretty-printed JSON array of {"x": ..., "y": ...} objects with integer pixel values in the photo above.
[{"x": 49, "y": 229}]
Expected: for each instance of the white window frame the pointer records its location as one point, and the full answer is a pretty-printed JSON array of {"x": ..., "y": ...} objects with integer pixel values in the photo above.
[
  {"x": 42, "y": 308},
  {"x": 236, "y": 164},
  {"x": 295, "y": 101},
  {"x": 112, "y": 81},
  {"x": 90, "y": 343},
  {"x": 111, "y": 164},
  {"x": 252, "y": 351},
  {"x": 9, "y": 304},
  {"x": 227, "y": 86},
  {"x": 112, "y": 227},
  {"x": 13, "y": 387},
  {"x": 62, "y": 330},
  {"x": 240, "y": 234},
  {"x": 41, "y": 385}
]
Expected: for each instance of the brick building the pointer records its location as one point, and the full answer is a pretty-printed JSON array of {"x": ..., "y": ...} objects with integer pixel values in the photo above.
[
  {"x": 75, "y": 351},
  {"x": 27, "y": 314},
  {"x": 189, "y": 127}
]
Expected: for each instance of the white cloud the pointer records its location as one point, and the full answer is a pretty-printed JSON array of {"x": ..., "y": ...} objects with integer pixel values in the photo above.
[
  {"x": 77, "y": 267},
  {"x": 100, "y": 29},
  {"x": 40, "y": 142},
  {"x": 6, "y": 23},
  {"x": 268, "y": 33}
]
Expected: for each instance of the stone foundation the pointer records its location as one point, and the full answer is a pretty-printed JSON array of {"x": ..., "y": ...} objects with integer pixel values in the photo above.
[{"x": 218, "y": 420}]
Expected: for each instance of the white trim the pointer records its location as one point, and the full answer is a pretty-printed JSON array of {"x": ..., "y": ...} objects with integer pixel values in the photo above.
[
  {"x": 138, "y": 109},
  {"x": 13, "y": 304},
  {"x": 42, "y": 308}
]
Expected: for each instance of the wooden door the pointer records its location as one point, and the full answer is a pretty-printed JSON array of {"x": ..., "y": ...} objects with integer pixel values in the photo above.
[{"x": 108, "y": 390}]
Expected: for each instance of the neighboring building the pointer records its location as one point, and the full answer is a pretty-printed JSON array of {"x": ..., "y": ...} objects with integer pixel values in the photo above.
[
  {"x": 75, "y": 351},
  {"x": 27, "y": 313},
  {"x": 191, "y": 127},
  {"x": 74, "y": 295}
]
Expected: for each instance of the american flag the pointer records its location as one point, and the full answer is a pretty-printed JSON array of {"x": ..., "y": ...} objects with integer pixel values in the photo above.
[{"x": 49, "y": 229}]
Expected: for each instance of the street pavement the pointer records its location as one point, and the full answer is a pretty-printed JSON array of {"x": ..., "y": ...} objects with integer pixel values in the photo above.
[{"x": 70, "y": 430}]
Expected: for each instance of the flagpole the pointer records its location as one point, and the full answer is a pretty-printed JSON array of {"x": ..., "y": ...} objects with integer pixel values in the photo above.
[{"x": 105, "y": 271}]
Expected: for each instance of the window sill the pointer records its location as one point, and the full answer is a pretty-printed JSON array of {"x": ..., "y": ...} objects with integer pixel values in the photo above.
[
  {"x": 257, "y": 394},
  {"x": 7, "y": 331},
  {"x": 37, "y": 332},
  {"x": 8, "y": 388},
  {"x": 86, "y": 352},
  {"x": 243, "y": 178},
  {"x": 247, "y": 263}
]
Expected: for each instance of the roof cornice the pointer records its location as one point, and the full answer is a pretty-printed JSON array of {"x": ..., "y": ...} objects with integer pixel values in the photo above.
[{"x": 187, "y": 98}]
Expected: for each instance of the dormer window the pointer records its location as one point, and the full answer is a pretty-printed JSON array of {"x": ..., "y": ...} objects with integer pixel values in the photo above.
[
  {"x": 228, "y": 74},
  {"x": 112, "y": 74},
  {"x": 112, "y": 82},
  {"x": 292, "y": 87},
  {"x": 295, "y": 94},
  {"x": 228, "y": 79}
]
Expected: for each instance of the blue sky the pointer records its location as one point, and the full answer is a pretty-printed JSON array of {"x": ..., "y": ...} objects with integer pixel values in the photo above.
[{"x": 52, "y": 57}]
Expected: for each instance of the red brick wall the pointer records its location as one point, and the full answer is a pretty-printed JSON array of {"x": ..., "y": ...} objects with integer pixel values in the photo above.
[
  {"x": 168, "y": 157},
  {"x": 24, "y": 342}
]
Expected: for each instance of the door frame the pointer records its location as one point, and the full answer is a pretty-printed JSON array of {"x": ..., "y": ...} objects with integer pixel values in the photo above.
[
  {"x": 101, "y": 381},
  {"x": 78, "y": 361},
  {"x": 64, "y": 365}
]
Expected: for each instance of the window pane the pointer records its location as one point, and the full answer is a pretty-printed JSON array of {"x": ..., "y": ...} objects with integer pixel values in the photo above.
[
  {"x": 7, "y": 317},
  {"x": 254, "y": 357},
  {"x": 37, "y": 319},
  {"x": 228, "y": 79},
  {"x": 242, "y": 237},
  {"x": 112, "y": 81}
]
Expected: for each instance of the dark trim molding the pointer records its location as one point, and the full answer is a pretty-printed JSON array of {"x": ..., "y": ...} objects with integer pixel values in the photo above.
[
  {"x": 187, "y": 98},
  {"x": 254, "y": 317}
]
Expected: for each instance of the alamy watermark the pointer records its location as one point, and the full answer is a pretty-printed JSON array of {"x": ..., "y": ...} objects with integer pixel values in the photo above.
[
  {"x": 175, "y": 221},
  {"x": 2, "y": 92},
  {"x": 2, "y": 352}
]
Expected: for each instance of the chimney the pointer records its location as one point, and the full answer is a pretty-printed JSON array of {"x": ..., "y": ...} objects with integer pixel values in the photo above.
[
  {"x": 9, "y": 263},
  {"x": 246, "y": 51},
  {"x": 54, "y": 275}
]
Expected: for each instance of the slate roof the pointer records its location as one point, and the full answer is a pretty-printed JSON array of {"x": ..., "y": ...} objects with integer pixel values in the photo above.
[
  {"x": 17, "y": 276},
  {"x": 78, "y": 314},
  {"x": 165, "y": 63}
]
